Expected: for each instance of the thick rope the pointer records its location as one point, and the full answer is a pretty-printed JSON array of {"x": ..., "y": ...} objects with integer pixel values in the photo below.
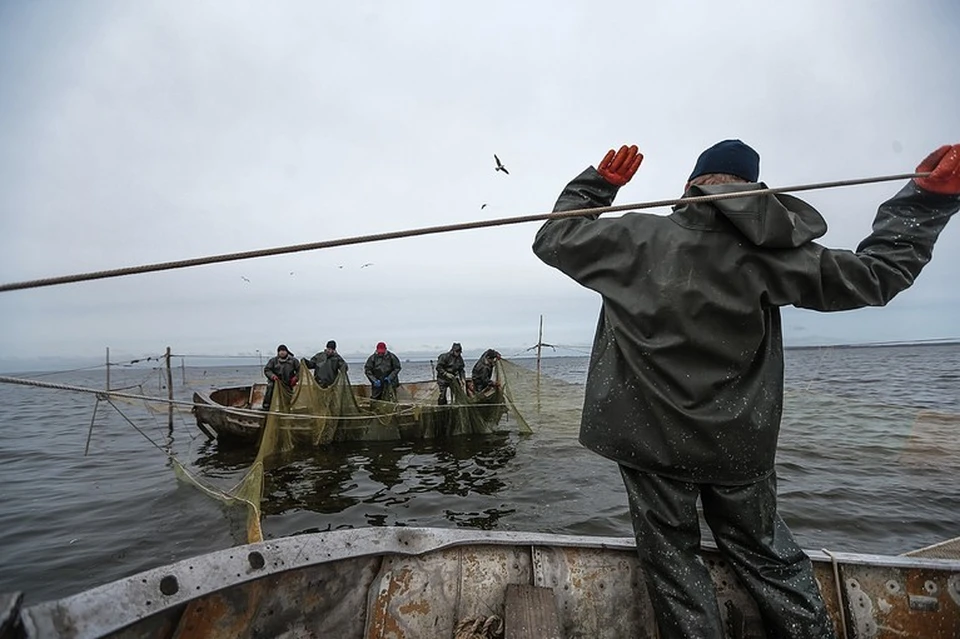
[
  {"x": 479, "y": 628},
  {"x": 106, "y": 395},
  {"x": 431, "y": 230}
]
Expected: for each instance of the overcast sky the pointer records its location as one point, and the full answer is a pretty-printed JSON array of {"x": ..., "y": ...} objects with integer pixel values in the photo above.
[{"x": 139, "y": 132}]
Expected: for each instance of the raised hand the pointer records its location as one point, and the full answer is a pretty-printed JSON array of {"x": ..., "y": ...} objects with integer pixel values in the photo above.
[
  {"x": 618, "y": 168},
  {"x": 944, "y": 168}
]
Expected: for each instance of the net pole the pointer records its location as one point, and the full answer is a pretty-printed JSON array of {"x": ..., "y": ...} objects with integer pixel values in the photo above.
[{"x": 169, "y": 389}]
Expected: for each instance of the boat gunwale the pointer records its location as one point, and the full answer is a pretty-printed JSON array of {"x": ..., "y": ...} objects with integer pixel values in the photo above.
[{"x": 105, "y": 609}]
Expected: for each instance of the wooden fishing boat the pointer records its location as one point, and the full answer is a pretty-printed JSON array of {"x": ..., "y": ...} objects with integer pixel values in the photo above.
[
  {"x": 409, "y": 583},
  {"x": 231, "y": 415}
]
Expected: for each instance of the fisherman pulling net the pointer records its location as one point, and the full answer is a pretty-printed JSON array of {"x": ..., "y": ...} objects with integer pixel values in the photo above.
[{"x": 309, "y": 416}]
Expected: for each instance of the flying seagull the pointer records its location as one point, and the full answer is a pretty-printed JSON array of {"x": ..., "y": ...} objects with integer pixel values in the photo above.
[
  {"x": 367, "y": 264},
  {"x": 500, "y": 166},
  {"x": 244, "y": 279},
  {"x": 483, "y": 206}
]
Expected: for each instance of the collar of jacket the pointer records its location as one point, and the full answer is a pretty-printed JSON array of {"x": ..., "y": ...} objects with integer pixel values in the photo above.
[{"x": 768, "y": 220}]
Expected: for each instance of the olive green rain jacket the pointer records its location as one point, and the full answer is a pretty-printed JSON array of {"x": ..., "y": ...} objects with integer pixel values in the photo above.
[
  {"x": 285, "y": 369},
  {"x": 383, "y": 367},
  {"x": 326, "y": 367},
  {"x": 450, "y": 366},
  {"x": 686, "y": 374}
]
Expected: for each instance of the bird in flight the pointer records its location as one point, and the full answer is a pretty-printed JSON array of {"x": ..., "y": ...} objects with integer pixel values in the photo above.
[
  {"x": 483, "y": 206},
  {"x": 367, "y": 264},
  {"x": 500, "y": 166},
  {"x": 244, "y": 279}
]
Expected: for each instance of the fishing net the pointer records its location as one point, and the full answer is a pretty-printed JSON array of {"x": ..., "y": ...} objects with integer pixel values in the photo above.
[
  {"x": 311, "y": 416},
  {"x": 540, "y": 401}
]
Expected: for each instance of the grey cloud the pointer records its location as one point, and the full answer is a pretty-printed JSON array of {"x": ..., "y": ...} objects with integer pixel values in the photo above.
[{"x": 143, "y": 132}]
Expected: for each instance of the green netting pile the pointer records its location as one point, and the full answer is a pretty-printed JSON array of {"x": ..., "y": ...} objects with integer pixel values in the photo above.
[{"x": 311, "y": 416}]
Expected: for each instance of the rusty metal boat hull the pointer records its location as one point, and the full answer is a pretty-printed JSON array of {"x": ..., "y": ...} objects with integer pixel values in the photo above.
[
  {"x": 418, "y": 582},
  {"x": 230, "y": 416}
]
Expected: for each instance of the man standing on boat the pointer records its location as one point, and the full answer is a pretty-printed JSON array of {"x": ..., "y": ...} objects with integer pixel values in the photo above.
[
  {"x": 685, "y": 385},
  {"x": 450, "y": 370},
  {"x": 283, "y": 368},
  {"x": 482, "y": 374},
  {"x": 326, "y": 365},
  {"x": 383, "y": 370}
]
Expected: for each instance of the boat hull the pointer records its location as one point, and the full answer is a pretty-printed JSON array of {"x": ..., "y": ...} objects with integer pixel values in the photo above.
[
  {"x": 230, "y": 415},
  {"x": 411, "y": 583}
]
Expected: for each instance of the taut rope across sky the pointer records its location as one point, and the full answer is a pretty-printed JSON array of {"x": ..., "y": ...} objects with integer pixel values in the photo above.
[{"x": 432, "y": 230}]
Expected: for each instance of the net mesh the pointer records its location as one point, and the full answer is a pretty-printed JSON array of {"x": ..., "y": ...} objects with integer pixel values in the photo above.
[{"x": 312, "y": 416}]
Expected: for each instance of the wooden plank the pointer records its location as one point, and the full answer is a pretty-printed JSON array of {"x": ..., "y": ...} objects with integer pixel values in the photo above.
[{"x": 531, "y": 612}]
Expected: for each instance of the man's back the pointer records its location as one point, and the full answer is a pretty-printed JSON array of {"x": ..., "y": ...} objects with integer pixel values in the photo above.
[{"x": 686, "y": 378}]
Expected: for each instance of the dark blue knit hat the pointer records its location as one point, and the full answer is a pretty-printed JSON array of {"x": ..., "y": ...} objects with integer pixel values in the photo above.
[{"x": 732, "y": 157}]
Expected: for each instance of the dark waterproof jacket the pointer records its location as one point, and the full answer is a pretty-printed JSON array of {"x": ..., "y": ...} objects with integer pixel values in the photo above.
[
  {"x": 325, "y": 367},
  {"x": 482, "y": 374},
  {"x": 686, "y": 374},
  {"x": 282, "y": 368},
  {"x": 386, "y": 366},
  {"x": 450, "y": 366}
]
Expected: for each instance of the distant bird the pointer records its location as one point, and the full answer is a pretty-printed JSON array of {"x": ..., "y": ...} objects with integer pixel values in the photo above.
[
  {"x": 291, "y": 272},
  {"x": 244, "y": 279},
  {"x": 367, "y": 264},
  {"x": 340, "y": 266},
  {"x": 483, "y": 206},
  {"x": 500, "y": 166}
]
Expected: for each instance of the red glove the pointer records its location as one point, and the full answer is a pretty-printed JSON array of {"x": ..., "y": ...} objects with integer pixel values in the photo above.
[
  {"x": 293, "y": 381},
  {"x": 618, "y": 169},
  {"x": 944, "y": 167}
]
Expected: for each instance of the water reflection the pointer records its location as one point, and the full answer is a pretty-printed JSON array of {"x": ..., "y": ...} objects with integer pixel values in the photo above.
[{"x": 380, "y": 483}]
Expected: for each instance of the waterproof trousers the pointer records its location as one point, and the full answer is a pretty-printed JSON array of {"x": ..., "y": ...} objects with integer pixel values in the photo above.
[
  {"x": 443, "y": 385},
  {"x": 752, "y": 538},
  {"x": 268, "y": 395}
]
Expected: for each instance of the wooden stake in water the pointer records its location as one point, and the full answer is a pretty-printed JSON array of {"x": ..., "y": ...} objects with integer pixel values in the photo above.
[
  {"x": 108, "y": 369},
  {"x": 539, "y": 351},
  {"x": 169, "y": 390}
]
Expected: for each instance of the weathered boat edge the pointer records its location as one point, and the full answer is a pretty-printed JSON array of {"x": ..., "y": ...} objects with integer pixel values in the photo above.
[{"x": 109, "y": 608}]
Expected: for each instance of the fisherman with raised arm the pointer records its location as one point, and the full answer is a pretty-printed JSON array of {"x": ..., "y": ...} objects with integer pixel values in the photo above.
[{"x": 685, "y": 384}]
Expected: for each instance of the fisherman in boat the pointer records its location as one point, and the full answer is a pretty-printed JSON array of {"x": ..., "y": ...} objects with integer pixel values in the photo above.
[
  {"x": 283, "y": 368},
  {"x": 326, "y": 365},
  {"x": 482, "y": 374},
  {"x": 450, "y": 370},
  {"x": 383, "y": 370},
  {"x": 685, "y": 387}
]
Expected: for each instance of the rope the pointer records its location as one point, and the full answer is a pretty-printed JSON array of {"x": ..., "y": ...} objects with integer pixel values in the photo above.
[
  {"x": 431, "y": 230},
  {"x": 102, "y": 394},
  {"x": 143, "y": 434},
  {"x": 107, "y": 395},
  {"x": 479, "y": 628},
  {"x": 839, "y": 588}
]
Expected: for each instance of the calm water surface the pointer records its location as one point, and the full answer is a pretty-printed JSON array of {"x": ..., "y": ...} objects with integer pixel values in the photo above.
[{"x": 868, "y": 459}]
